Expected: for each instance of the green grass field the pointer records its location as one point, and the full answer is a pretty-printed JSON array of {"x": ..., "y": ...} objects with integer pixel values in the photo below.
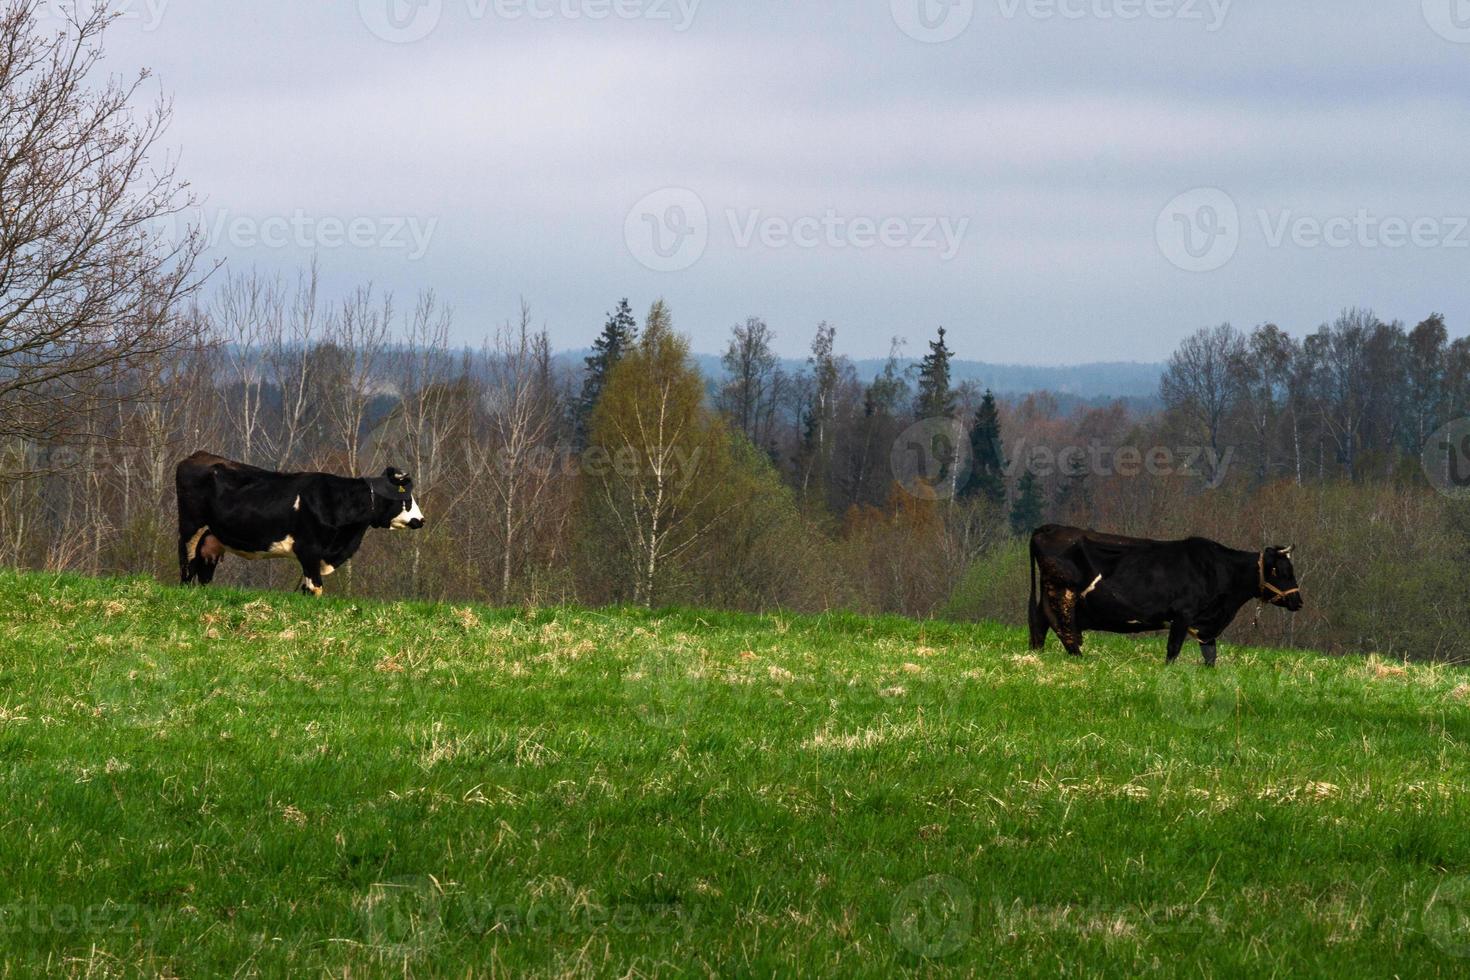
[{"x": 217, "y": 782}]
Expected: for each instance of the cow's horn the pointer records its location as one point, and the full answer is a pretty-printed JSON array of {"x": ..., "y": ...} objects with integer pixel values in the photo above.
[{"x": 1286, "y": 552}]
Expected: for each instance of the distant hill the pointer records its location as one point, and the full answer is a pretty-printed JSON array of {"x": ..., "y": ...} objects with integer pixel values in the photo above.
[
  {"x": 1136, "y": 383},
  {"x": 1115, "y": 379}
]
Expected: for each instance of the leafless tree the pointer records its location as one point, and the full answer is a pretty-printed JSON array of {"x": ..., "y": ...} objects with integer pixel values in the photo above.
[
  {"x": 248, "y": 319},
  {"x": 1202, "y": 383},
  {"x": 1346, "y": 394},
  {"x": 89, "y": 275},
  {"x": 520, "y": 408},
  {"x": 289, "y": 361},
  {"x": 359, "y": 335},
  {"x": 752, "y": 391}
]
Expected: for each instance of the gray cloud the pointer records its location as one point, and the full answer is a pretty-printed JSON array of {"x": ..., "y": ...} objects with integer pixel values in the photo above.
[{"x": 1057, "y": 139}]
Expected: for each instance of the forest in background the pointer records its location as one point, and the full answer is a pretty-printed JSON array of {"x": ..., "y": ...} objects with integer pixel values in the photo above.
[{"x": 634, "y": 477}]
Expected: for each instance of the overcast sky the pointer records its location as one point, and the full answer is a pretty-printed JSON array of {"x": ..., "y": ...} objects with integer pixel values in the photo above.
[{"x": 1055, "y": 181}]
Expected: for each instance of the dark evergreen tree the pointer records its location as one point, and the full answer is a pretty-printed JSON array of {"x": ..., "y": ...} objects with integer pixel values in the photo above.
[
  {"x": 987, "y": 455},
  {"x": 936, "y": 399},
  {"x": 617, "y": 337},
  {"x": 1026, "y": 513}
]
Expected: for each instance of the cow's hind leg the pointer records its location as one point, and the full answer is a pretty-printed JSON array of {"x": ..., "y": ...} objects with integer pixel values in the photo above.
[
  {"x": 1207, "y": 647},
  {"x": 1038, "y": 623},
  {"x": 191, "y": 536},
  {"x": 207, "y": 555},
  {"x": 1061, "y": 610},
  {"x": 186, "y": 560}
]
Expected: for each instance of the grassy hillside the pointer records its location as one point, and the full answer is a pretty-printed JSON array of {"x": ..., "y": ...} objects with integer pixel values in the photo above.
[{"x": 209, "y": 782}]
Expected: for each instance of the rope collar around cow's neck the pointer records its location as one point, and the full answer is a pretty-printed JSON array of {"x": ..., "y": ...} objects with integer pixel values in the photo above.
[{"x": 1267, "y": 586}]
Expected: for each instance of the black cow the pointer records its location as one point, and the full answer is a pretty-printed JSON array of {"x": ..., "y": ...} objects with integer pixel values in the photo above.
[
  {"x": 319, "y": 519},
  {"x": 1106, "y": 582}
]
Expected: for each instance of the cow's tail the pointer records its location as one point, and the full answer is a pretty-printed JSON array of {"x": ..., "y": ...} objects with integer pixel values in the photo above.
[{"x": 1034, "y": 616}]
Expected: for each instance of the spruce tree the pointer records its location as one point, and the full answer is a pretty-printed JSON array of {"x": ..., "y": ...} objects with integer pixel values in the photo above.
[
  {"x": 618, "y": 336},
  {"x": 987, "y": 475},
  {"x": 936, "y": 399}
]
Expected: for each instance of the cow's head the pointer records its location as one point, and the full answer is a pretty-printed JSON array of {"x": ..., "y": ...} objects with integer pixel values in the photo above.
[
  {"x": 1278, "y": 579},
  {"x": 399, "y": 509}
]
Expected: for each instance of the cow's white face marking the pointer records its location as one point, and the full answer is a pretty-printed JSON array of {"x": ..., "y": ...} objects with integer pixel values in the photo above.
[
  {"x": 281, "y": 549},
  {"x": 297, "y": 505},
  {"x": 405, "y": 517},
  {"x": 326, "y": 569}
]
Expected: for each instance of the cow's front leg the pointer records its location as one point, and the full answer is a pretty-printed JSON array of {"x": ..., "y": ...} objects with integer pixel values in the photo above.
[
  {"x": 1178, "y": 631},
  {"x": 1207, "y": 647}
]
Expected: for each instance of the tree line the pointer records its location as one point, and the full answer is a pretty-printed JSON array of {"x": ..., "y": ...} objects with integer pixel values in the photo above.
[{"x": 633, "y": 478}]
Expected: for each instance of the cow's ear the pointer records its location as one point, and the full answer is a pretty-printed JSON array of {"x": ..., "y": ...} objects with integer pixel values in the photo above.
[{"x": 391, "y": 473}]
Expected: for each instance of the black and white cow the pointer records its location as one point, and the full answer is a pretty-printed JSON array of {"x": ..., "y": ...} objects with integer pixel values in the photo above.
[
  {"x": 319, "y": 519},
  {"x": 1086, "y": 580}
]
